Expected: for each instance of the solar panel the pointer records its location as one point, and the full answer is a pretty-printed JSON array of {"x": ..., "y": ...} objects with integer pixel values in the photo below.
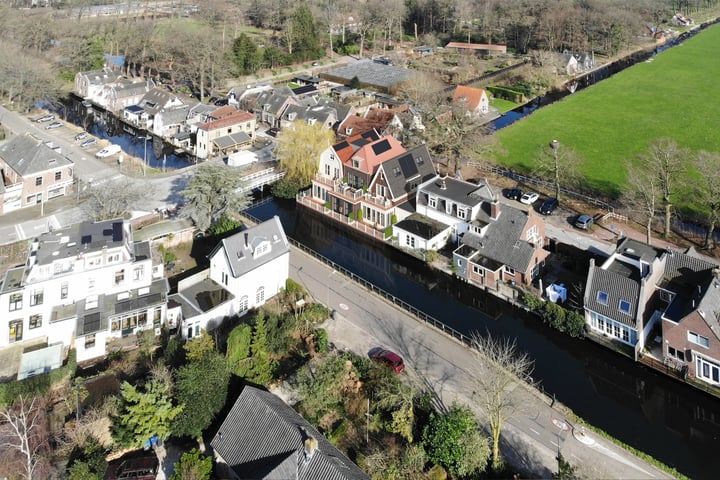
[
  {"x": 408, "y": 166},
  {"x": 91, "y": 323},
  {"x": 86, "y": 239},
  {"x": 381, "y": 147},
  {"x": 340, "y": 146},
  {"x": 117, "y": 231}
]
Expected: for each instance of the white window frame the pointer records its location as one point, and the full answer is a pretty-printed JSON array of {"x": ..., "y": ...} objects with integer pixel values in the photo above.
[{"x": 698, "y": 339}]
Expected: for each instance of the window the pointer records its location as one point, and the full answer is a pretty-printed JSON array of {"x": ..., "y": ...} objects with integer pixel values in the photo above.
[
  {"x": 461, "y": 213},
  {"x": 327, "y": 169},
  {"x": 602, "y": 297},
  {"x": 707, "y": 370},
  {"x": 119, "y": 277},
  {"x": 157, "y": 316},
  {"x": 698, "y": 339},
  {"x": 243, "y": 303},
  {"x": 142, "y": 318},
  {"x": 432, "y": 202},
  {"x": 16, "y": 331},
  {"x": 36, "y": 297},
  {"x": 139, "y": 273},
  {"x": 91, "y": 302},
  {"x": 16, "y": 301},
  {"x": 410, "y": 241},
  {"x": 261, "y": 249},
  {"x": 625, "y": 306},
  {"x": 90, "y": 340},
  {"x": 509, "y": 271},
  {"x": 91, "y": 284},
  {"x": 224, "y": 278},
  {"x": 113, "y": 258},
  {"x": 35, "y": 321},
  {"x": 63, "y": 290},
  {"x": 677, "y": 354},
  {"x": 38, "y": 181},
  {"x": 478, "y": 270},
  {"x": 58, "y": 176},
  {"x": 260, "y": 296}
]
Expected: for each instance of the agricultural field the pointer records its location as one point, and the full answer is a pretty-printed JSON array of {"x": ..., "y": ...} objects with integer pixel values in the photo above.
[{"x": 674, "y": 95}]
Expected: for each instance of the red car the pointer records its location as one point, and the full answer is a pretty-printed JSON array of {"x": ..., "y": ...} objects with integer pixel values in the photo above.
[{"x": 388, "y": 358}]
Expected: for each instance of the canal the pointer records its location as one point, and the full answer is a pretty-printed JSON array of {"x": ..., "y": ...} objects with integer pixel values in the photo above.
[{"x": 664, "y": 418}]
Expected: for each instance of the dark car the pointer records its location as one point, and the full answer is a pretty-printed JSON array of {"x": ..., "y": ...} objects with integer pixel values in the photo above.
[
  {"x": 513, "y": 193},
  {"x": 272, "y": 131},
  {"x": 584, "y": 222},
  {"x": 549, "y": 206},
  {"x": 388, "y": 358},
  {"x": 143, "y": 467}
]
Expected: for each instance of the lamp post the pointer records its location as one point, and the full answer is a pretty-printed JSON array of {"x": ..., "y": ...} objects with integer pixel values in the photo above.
[
  {"x": 330, "y": 310},
  {"x": 145, "y": 156}
]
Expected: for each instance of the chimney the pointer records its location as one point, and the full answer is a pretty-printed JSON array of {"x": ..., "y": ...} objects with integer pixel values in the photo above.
[
  {"x": 443, "y": 186},
  {"x": 246, "y": 240},
  {"x": 494, "y": 209},
  {"x": 311, "y": 444}
]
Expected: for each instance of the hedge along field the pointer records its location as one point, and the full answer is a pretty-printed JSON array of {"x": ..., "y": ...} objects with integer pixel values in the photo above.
[{"x": 675, "y": 95}]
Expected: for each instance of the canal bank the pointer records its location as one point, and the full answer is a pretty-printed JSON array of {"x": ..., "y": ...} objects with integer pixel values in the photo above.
[{"x": 631, "y": 403}]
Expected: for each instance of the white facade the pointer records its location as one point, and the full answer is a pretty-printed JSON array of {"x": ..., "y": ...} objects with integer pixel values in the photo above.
[{"x": 82, "y": 286}]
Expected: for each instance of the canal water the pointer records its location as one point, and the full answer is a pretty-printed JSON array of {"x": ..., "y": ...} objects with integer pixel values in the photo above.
[{"x": 660, "y": 416}]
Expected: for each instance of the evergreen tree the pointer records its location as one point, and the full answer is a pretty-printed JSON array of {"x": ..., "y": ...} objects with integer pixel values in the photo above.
[
  {"x": 306, "y": 39},
  {"x": 246, "y": 55},
  {"x": 143, "y": 413}
]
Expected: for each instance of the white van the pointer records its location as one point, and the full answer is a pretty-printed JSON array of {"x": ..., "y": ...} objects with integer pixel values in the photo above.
[{"x": 108, "y": 151}]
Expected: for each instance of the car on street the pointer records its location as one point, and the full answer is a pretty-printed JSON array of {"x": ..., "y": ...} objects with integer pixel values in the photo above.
[
  {"x": 529, "y": 198},
  {"x": 53, "y": 125},
  {"x": 513, "y": 193},
  {"x": 88, "y": 142},
  {"x": 46, "y": 118},
  {"x": 108, "y": 151},
  {"x": 549, "y": 206},
  {"x": 584, "y": 222},
  {"x": 388, "y": 358},
  {"x": 272, "y": 131},
  {"x": 81, "y": 136}
]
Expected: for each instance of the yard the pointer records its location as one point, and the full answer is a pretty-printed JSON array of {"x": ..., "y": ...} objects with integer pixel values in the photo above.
[{"x": 609, "y": 124}]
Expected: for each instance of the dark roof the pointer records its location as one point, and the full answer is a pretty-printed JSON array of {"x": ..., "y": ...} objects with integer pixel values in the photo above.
[
  {"x": 421, "y": 226},
  {"x": 232, "y": 140},
  {"x": 370, "y": 73},
  {"x": 502, "y": 240},
  {"x": 26, "y": 155},
  {"x": 637, "y": 250},
  {"x": 408, "y": 170},
  {"x": 304, "y": 90},
  {"x": 81, "y": 238},
  {"x": 459, "y": 191},
  {"x": 263, "y": 437},
  {"x": 689, "y": 277},
  {"x": 617, "y": 286}
]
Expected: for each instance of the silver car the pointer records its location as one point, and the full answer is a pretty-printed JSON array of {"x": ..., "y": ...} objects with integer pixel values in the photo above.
[{"x": 584, "y": 222}]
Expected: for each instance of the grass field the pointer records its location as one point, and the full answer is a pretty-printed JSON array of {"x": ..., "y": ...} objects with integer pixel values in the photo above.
[{"x": 609, "y": 124}]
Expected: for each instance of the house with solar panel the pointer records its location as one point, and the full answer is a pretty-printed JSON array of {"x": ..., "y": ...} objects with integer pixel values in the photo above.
[
  {"x": 226, "y": 130},
  {"x": 262, "y": 437},
  {"x": 368, "y": 181},
  {"x": 81, "y": 287}
]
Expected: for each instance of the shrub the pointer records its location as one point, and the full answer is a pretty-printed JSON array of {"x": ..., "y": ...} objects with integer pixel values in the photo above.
[
  {"x": 388, "y": 232},
  {"x": 224, "y": 224},
  {"x": 351, "y": 216},
  {"x": 533, "y": 302},
  {"x": 167, "y": 255},
  {"x": 286, "y": 188},
  {"x": 321, "y": 340},
  {"x": 360, "y": 215}
]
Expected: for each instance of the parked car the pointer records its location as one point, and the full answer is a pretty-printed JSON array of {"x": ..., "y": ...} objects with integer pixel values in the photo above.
[
  {"x": 272, "y": 131},
  {"x": 388, "y": 358},
  {"x": 108, "y": 151},
  {"x": 514, "y": 194},
  {"x": 88, "y": 142},
  {"x": 584, "y": 222},
  {"x": 81, "y": 135},
  {"x": 138, "y": 468},
  {"x": 45, "y": 118},
  {"x": 53, "y": 125},
  {"x": 549, "y": 206},
  {"x": 529, "y": 198}
]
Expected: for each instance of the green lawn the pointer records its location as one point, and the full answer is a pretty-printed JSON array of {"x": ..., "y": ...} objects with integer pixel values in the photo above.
[
  {"x": 503, "y": 105},
  {"x": 674, "y": 96}
]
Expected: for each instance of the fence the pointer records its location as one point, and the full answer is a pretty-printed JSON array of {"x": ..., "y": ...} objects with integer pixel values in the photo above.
[{"x": 542, "y": 183}]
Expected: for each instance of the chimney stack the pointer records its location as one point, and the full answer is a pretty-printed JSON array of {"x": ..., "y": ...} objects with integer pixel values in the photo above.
[{"x": 311, "y": 444}]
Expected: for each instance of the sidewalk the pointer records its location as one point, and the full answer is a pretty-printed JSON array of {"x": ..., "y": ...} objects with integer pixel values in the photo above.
[{"x": 530, "y": 440}]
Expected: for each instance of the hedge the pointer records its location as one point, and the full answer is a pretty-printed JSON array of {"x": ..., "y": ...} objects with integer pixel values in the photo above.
[
  {"x": 39, "y": 384},
  {"x": 566, "y": 321},
  {"x": 507, "y": 93}
]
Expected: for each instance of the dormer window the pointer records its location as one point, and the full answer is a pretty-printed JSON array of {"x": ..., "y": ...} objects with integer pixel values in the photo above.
[
  {"x": 348, "y": 131},
  {"x": 261, "y": 249},
  {"x": 602, "y": 297},
  {"x": 292, "y": 116},
  {"x": 625, "y": 306},
  {"x": 419, "y": 160}
]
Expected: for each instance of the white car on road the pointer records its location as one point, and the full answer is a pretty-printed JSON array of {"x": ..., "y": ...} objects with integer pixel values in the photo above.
[
  {"x": 108, "y": 151},
  {"x": 529, "y": 198}
]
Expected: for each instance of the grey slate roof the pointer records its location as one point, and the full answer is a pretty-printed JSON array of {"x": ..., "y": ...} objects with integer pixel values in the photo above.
[
  {"x": 174, "y": 115},
  {"x": 405, "y": 172},
  {"x": 274, "y": 99},
  {"x": 238, "y": 249},
  {"x": 618, "y": 287},
  {"x": 459, "y": 191},
  {"x": 421, "y": 226},
  {"x": 80, "y": 238},
  {"x": 638, "y": 250},
  {"x": 263, "y": 438},
  {"x": 690, "y": 277},
  {"x": 155, "y": 99},
  {"x": 26, "y": 155},
  {"x": 502, "y": 242},
  {"x": 369, "y": 73}
]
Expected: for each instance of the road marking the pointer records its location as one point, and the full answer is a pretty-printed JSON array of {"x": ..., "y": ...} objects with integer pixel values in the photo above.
[
  {"x": 20, "y": 232},
  {"x": 558, "y": 446},
  {"x": 344, "y": 307},
  {"x": 534, "y": 431}
]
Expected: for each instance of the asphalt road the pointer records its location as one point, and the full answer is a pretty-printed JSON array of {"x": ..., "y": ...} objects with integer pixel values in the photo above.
[{"x": 444, "y": 366}]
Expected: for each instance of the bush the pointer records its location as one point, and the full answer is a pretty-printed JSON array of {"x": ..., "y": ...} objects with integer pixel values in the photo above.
[
  {"x": 286, "y": 188},
  {"x": 566, "y": 321},
  {"x": 388, "y": 231},
  {"x": 321, "y": 340},
  {"x": 533, "y": 302},
  {"x": 224, "y": 224},
  {"x": 238, "y": 347},
  {"x": 167, "y": 255},
  {"x": 510, "y": 94}
]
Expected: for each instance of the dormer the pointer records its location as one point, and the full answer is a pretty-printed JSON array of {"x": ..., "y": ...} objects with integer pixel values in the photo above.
[
  {"x": 348, "y": 131},
  {"x": 292, "y": 116},
  {"x": 311, "y": 121},
  {"x": 261, "y": 249}
]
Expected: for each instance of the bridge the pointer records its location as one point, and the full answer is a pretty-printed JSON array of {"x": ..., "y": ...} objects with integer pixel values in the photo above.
[{"x": 257, "y": 180}]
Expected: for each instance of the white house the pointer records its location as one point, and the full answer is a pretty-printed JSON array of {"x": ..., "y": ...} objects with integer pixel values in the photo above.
[
  {"x": 82, "y": 286},
  {"x": 245, "y": 271}
]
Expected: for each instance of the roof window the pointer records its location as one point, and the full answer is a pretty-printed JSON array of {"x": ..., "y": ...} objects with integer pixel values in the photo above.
[{"x": 602, "y": 297}]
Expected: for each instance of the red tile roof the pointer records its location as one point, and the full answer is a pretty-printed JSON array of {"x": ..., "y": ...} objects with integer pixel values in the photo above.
[
  {"x": 234, "y": 119},
  {"x": 471, "y": 96},
  {"x": 375, "y": 153}
]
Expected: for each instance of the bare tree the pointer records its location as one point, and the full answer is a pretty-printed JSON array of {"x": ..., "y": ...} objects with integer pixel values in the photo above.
[
  {"x": 641, "y": 195},
  {"x": 25, "y": 431},
  {"x": 501, "y": 366},
  {"x": 708, "y": 164},
  {"x": 666, "y": 159},
  {"x": 114, "y": 198},
  {"x": 559, "y": 164}
]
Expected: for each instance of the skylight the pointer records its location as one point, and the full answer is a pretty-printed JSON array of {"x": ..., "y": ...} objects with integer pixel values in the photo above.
[
  {"x": 625, "y": 306},
  {"x": 602, "y": 297}
]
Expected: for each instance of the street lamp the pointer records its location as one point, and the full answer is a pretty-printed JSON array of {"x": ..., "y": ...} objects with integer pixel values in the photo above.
[{"x": 145, "y": 156}]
